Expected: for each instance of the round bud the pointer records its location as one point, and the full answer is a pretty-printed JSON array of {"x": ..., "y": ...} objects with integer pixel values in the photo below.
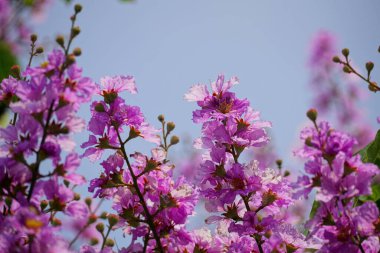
[
  {"x": 336, "y": 59},
  {"x": 373, "y": 87},
  {"x": 56, "y": 222},
  {"x": 94, "y": 241},
  {"x": 100, "y": 227},
  {"x": 279, "y": 163},
  {"x": 76, "y": 196},
  {"x": 44, "y": 203},
  {"x": 174, "y": 140},
  {"x": 308, "y": 142},
  {"x": 70, "y": 59},
  {"x": 92, "y": 218},
  {"x": 109, "y": 242},
  {"x": 39, "y": 50},
  {"x": 78, "y": 8},
  {"x": 88, "y": 201},
  {"x": 16, "y": 71},
  {"x": 170, "y": 126},
  {"x": 113, "y": 219},
  {"x": 369, "y": 66},
  {"x": 77, "y": 51},
  {"x": 161, "y": 118},
  {"x": 345, "y": 52},
  {"x": 33, "y": 37},
  {"x": 60, "y": 40},
  {"x": 346, "y": 69},
  {"x": 312, "y": 114},
  {"x": 286, "y": 173},
  {"x": 75, "y": 31},
  {"x": 103, "y": 215}
]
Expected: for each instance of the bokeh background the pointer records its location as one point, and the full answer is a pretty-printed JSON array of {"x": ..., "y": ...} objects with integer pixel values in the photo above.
[{"x": 170, "y": 45}]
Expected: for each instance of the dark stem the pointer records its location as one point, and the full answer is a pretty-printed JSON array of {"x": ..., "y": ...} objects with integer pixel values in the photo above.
[
  {"x": 35, "y": 168},
  {"x": 146, "y": 240},
  {"x": 105, "y": 237},
  {"x": 149, "y": 218},
  {"x": 259, "y": 245}
]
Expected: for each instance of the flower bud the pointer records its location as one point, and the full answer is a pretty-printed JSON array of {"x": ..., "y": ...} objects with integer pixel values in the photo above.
[
  {"x": 99, "y": 107},
  {"x": 43, "y": 204},
  {"x": 56, "y": 222},
  {"x": 369, "y": 66},
  {"x": 170, "y": 126},
  {"x": 373, "y": 87},
  {"x": 174, "y": 140},
  {"x": 39, "y": 50},
  {"x": 268, "y": 198},
  {"x": 94, "y": 241},
  {"x": 103, "y": 215},
  {"x": 75, "y": 31},
  {"x": 336, "y": 59},
  {"x": 109, "y": 242},
  {"x": 78, "y": 8},
  {"x": 161, "y": 118},
  {"x": 113, "y": 219},
  {"x": 100, "y": 227},
  {"x": 77, "y": 51},
  {"x": 286, "y": 173},
  {"x": 16, "y": 72},
  {"x": 312, "y": 114},
  {"x": 88, "y": 201},
  {"x": 308, "y": 142},
  {"x": 33, "y": 37},
  {"x": 347, "y": 70},
  {"x": 279, "y": 163},
  {"x": 60, "y": 40},
  {"x": 70, "y": 59},
  {"x": 92, "y": 218},
  {"x": 345, "y": 52},
  {"x": 76, "y": 196}
]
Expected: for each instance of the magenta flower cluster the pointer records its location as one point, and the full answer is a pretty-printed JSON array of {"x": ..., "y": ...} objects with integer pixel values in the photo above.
[
  {"x": 38, "y": 162},
  {"x": 339, "y": 220}
]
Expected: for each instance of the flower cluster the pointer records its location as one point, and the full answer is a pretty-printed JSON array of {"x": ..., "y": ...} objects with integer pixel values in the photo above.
[
  {"x": 339, "y": 218},
  {"x": 150, "y": 205},
  {"x": 248, "y": 196},
  {"x": 37, "y": 159},
  {"x": 336, "y": 94}
]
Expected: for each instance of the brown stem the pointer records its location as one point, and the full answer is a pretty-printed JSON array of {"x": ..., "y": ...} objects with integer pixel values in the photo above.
[
  {"x": 35, "y": 168},
  {"x": 149, "y": 218}
]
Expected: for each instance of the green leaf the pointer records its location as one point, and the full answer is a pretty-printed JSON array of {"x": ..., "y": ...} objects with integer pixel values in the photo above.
[
  {"x": 375, "y": 196},
  {"x": 7, "y": 60},
  {"x": 314, "y": 209},
  {"x": 371, "y": 153}
]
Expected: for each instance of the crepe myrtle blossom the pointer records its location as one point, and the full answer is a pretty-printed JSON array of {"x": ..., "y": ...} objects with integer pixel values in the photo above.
[
  {"x": 249, "y": 197},
  {"x": 342, "y": 221},
  {"x": 150, "y": 205},
  {"x": 38, "y": 162},
  {"x": 112, "y": 116}
]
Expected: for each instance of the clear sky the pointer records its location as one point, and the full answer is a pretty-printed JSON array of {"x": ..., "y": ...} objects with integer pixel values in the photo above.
[{"x": 170, "y": 45}]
